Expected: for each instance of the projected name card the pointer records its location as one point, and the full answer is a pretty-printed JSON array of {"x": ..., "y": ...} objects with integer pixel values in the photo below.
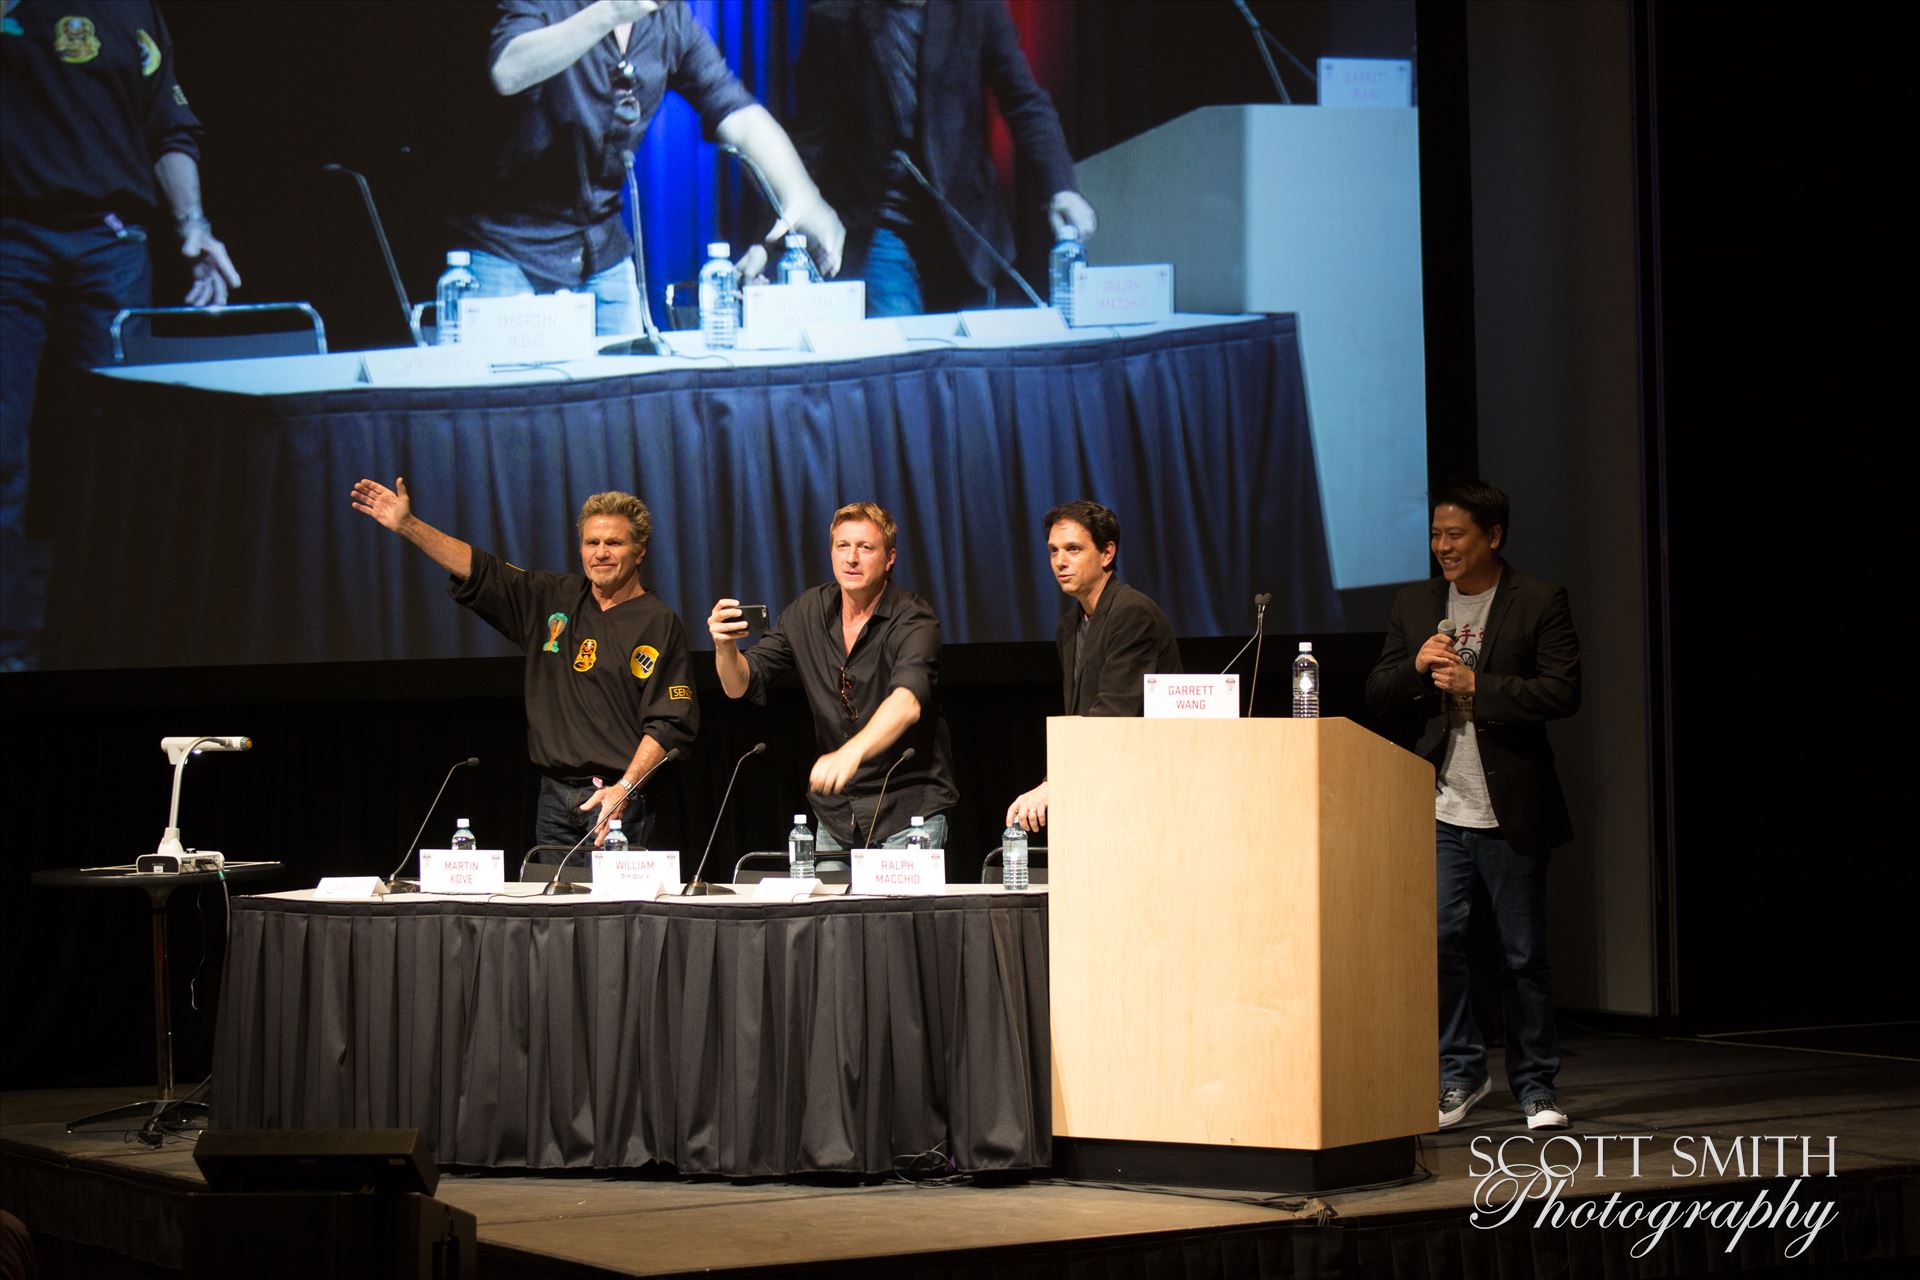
[
  {"x": 529, "y": 328},
  {"x": 1192, "y": 697},
  {"x": 635, "y": 874},
  {"x": 860, "y": 338},
  {"x": 908, "y": 872},
  {"x": 1366, "y": 82},
  {"x": 776, "y": 315},
  {"x": 423, "y": 366},
  {"x": 1122, "y": 295},
  {"x": 463, "y": 870}
]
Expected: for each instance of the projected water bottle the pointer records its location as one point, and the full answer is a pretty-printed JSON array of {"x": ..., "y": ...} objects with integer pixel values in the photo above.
[
  {"x": 1306, "y": 683},
  {"x": 796, "y": 264},
  {"x": 1060, "y": 263},
  {"x": 463, "y": 837},
  {"x": 800, "y": 849},
  {"x": 719, "y": 298},
  {"x": 1013, "y": 857},
  {"x": 456, "y": 282}
]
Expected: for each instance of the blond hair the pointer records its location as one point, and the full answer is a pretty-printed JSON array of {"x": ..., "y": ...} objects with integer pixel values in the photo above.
[{"x": 624, "y": 505}]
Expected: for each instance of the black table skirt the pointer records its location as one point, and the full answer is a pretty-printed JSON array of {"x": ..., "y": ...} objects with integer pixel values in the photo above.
[{"x": 829, "y": 1037}]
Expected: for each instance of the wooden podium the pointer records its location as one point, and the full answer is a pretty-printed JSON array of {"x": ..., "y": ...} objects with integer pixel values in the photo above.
[{"x": 1242, "y": 952}]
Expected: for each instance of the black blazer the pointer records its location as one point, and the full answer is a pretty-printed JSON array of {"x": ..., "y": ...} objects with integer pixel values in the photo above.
[
  {"x": 843, "y": 125},
  {"x": 1127, "y": 638},
  {"x": 1528, "y": 673}
]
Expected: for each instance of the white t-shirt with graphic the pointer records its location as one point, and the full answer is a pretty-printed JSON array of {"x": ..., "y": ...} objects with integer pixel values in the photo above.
[{"x": 1462, "y": 796}]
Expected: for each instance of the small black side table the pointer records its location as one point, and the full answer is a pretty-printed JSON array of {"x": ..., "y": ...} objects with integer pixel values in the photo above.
[{"x": 159, "y": 886}]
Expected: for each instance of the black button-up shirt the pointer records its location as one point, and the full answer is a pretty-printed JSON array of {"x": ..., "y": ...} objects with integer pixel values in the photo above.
[
  {"x": 899, "y": 648},
  {"x": 550, "y": 200}
]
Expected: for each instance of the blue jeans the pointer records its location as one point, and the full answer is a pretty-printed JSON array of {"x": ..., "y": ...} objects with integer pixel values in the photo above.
[
  {"x": 1517, "y": 884},
  {"x": 824, "y": 842},
  {"x": 616, "y": 291},
  {"x": 892, "y": 279},
  {"x": 59, "y": 290},
  {"x": 558, "y": 819}
]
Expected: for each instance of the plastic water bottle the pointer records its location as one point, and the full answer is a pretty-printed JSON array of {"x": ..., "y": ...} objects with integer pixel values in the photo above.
[
  {"x": 800, "y": 849},
  {"x": 1306, "y": 684},
  {"x": 616, "y": 838},
  {"x": 456, "y": 282},
  {"x": 1013, "y": 857},
  {"x": 796, "y": 264},
  {"x": 463, "y": 837},
  {"x": 916, "y": 833},
  {"x": 1060, "y": 263},
  {"x": 719, "y": 298}
]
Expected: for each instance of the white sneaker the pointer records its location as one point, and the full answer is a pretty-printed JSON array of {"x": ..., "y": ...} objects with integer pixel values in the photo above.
[
  {"x": 1455, "y": 1103},
  {"x": 1544, "y": 1112}
]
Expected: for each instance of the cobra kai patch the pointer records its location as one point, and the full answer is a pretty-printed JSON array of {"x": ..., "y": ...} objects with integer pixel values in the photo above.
[
  {"x": 75, "y": 41},
  {"x": 589, "y": 651},
  {"x": 556, "y": 623},
  {"x": 149, "y": 53},
  {"x": 642, "y": 661}
]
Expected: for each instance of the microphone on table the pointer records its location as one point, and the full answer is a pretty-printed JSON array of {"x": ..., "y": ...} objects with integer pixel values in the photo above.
[
  {"x": 913, "y": 170},
  {"x": 750, "y": 265},
  {"x": 696, "y": 887},
  {"x": 904, "y": 757},
  {"x": 651, "y": 341},
  {"x": 1260, "y": 603},
  {"x": 556, "y": 885},
  {"x": 386, "y": 250},
  {"x": 394, "y": 885}
]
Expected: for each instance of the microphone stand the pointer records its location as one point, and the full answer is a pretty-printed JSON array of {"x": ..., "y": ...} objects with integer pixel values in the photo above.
[
  {"x": 904, "y": 757},
  {"x": 697, "y": 887},
  {"x": 650, "y": 342},
  {"x": 926, "y": 185},
  {"x": 556, "y": 886},
  {"x": 386, "y": 250},
  {"x": 394, "y": 885}
]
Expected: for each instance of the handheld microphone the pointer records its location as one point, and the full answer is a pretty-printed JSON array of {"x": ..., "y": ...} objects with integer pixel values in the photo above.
[
  {"x": 696, "y": 887},
  {"x": 904, "y": 757},
  {"x": 913, "y": 170},
  {"x": 393, "y": 885},
  {"x": 556, "y": 886},
  {"x": 386, "y": 250},
  {"x": 1446, "y": 628}
]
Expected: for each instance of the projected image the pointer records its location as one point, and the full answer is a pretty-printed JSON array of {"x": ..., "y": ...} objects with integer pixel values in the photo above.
[{"x": 1219, "y": 217}]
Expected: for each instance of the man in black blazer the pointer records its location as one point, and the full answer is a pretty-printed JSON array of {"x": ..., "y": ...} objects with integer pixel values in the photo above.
[
  {"x": 1110, "y": 635},
  {"x": 879, "y": 76},
  {"x": 1476, "y": 662}
]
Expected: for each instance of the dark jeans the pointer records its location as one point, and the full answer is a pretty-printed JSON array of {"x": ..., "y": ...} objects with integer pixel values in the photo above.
[
  {"x": 1517, "y": 885},
  {"x": 59, "y": 290},
  {"x": 559, "y": 820},
  {"x": 907, "y": 277}
]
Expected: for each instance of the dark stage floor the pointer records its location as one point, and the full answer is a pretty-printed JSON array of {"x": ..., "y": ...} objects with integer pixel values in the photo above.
[{"x": 97, "y": 1199}]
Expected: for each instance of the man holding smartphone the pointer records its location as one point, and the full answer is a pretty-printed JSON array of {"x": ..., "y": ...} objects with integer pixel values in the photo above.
[{"x": 868, "y": 658}]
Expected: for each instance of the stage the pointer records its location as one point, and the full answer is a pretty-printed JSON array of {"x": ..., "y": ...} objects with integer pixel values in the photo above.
[{"x": 102, "y": 1206}]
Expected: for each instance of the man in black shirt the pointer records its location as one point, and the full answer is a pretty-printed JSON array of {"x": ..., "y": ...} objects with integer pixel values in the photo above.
[
  {"x": 1109, "y": 637},
  {"x": 609, "y": 685},
  {"x": 578, "y": 85},
  {"x": 868, "y": 657},
  {"x": 97, "y": 133}
]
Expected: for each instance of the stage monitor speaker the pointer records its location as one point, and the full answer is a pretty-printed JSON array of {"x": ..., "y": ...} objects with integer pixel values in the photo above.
[{"x": 384, "y": 1161}]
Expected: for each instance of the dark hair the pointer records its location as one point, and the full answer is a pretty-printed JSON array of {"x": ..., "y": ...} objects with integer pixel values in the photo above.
[
  {"x": 1099, "y": 522},
  {"x": 1486, "y": 503}
]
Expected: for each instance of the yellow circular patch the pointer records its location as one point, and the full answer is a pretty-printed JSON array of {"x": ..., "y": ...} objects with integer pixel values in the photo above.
[{"x": 642, "y": 661}]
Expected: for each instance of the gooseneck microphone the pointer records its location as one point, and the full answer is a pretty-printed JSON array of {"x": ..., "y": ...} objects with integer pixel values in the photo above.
[
  {"x": 904, "y": 757},
  {"x": 394, "y": 885},
  {"x": 697, "y": 887},
  {"x": 650, "y": 342},
  {"x": 386, "y": 250},
  {"x": 1260, "y": 603},
  {"x": 556, "y": 886},
  {"x": 1262, "y": 38},
  {"x": 926, "y": 184}
]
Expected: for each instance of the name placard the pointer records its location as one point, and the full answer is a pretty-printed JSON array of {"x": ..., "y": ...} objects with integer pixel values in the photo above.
[
  {"x": 1020, "y": 324},
  {"x": 856, "y": 339},
  {"x": 900, "y": 872},
  {"x": 347, "y": 887},
  {"x": 463, "y": 870},
  {"x": 776, "y": 315},
  {"x": 1192, "y": 697},
  {"x": 1122, "y": 295},
  {"x": 529, "y": 327},
  {"x": 785, "y": 889},
  {"x": 634, "y": 874},
  {"x": 1366, "y": 82},
  {"x": 423, "y": 366}
]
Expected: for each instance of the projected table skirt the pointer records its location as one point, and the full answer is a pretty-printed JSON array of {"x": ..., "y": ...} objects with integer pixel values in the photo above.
[
  {"x": 738, "y": 1040},
  {"x": 222, "y": 519}
]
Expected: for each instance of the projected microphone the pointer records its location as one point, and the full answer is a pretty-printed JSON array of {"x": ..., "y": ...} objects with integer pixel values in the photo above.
[
  {"x": 1262, "y": 38},
  {"x": 386, "y": 250},
  {"x": 756, "y": 256},
  {"x": 650, "y": 342},
  {"x": 926, "y": 185},
  {"x": 904, "y": 757},
  {"x": 394, "y": 885},
  {"x": 556, "y": 886},
  {"x": 696, "y": 887}
]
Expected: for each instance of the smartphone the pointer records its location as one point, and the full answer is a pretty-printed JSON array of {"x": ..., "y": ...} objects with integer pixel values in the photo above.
[{"x": 755, "y": 616}]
